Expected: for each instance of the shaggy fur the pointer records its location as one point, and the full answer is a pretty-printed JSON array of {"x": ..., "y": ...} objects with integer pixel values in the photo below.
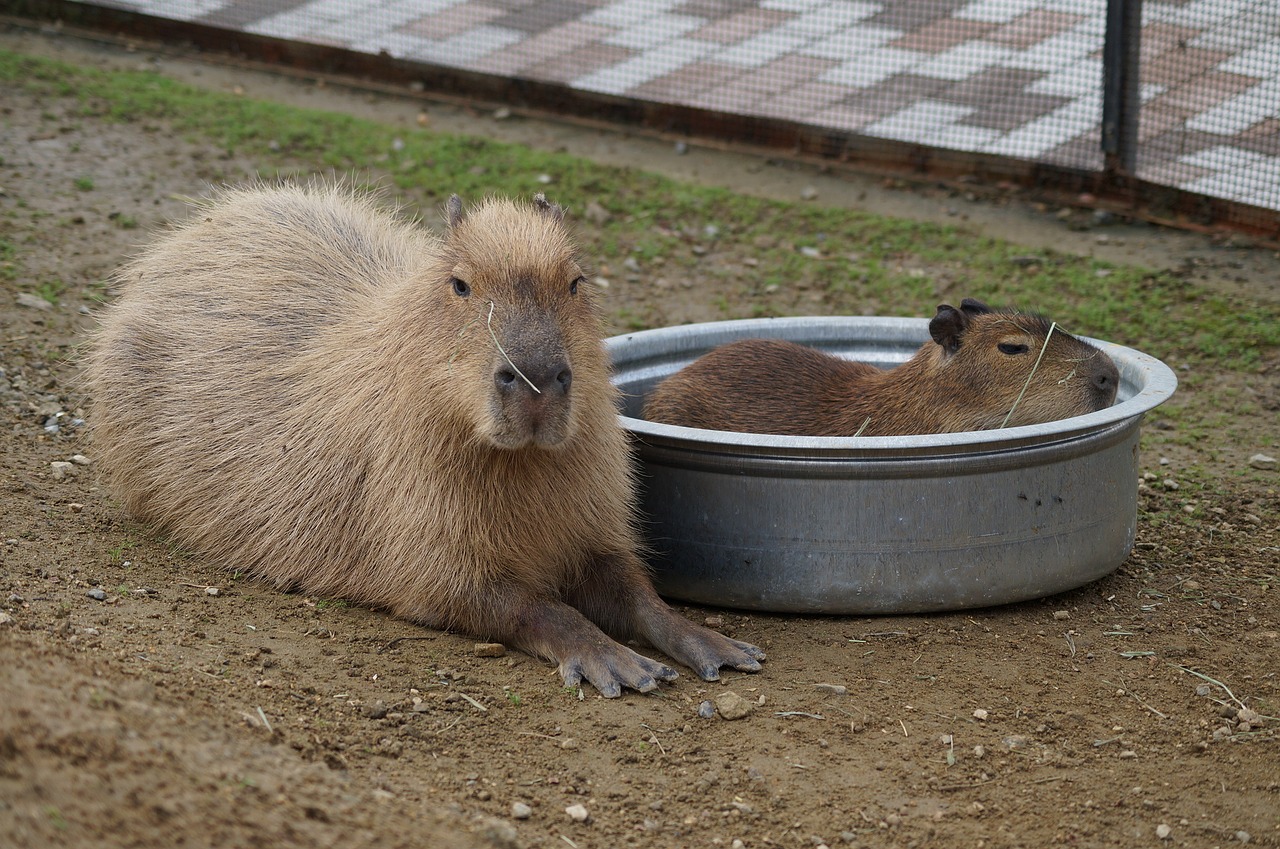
[
  {"x": 307, "y": 389},
  {"x": 968, "y": 378}
]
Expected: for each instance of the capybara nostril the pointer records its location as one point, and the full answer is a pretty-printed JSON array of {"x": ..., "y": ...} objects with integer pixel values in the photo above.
[
  {"x": 564, "y": 379},
  {"x": 505, "y": 379}
]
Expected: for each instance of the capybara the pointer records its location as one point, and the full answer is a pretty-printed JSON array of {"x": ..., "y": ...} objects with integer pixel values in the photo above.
[
  {"x": 984, "y": 369},
  {"x": 308, "y": 389}
]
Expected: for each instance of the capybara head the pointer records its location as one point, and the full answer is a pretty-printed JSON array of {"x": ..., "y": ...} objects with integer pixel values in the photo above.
[
  {"x": 1025, "y": 368},
  {"x": 513, "y": 285}
]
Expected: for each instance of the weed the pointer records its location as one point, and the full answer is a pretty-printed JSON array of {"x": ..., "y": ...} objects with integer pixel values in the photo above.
[{"x": 84, "y": 184}]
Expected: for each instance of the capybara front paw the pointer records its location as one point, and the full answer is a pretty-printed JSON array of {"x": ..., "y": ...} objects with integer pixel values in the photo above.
[
  {"x": 609, "y": 669},
  {"x": 706, "y": 652}
]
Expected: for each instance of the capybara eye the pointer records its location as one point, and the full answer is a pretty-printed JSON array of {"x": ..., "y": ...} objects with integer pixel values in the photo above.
[
  {"x": 460, "y": 287},
  {"x": 573, "y": 287},
  {"x": 1011, "y": 349}
]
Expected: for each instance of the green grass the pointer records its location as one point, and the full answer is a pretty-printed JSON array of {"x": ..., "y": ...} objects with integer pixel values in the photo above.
[{"x": 866, "y": 263}]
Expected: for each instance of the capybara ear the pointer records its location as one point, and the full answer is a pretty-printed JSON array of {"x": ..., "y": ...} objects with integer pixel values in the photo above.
[
  {"x": 948, "y": 326},
  {"x": 453, "y": 210},
  {"x": 546, "y": 207},
  {"x": 972, "y": 307}
]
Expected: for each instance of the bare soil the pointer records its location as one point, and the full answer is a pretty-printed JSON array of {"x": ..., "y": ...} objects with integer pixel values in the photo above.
[{"x": 184, "y": 707}]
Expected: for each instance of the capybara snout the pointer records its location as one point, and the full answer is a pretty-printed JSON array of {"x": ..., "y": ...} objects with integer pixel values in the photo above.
[
  {"x": 307, "y": 389},
  {"x": 532, "y": 376}
]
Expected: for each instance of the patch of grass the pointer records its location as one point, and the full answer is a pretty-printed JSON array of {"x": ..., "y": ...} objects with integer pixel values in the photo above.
[
  {"x": 332, "y": 604},
  {"x": 84, "y": 184},
  {"x": 50, "y": 290}
]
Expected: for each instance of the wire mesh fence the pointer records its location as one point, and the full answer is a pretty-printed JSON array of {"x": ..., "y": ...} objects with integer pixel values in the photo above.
[{"x": 1022, "y": 79}]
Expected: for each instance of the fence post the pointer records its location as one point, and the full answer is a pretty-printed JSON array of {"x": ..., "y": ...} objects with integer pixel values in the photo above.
[{"x": 1120, "y": 100}]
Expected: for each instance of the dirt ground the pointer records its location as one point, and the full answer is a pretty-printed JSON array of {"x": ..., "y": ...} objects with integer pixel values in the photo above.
[{"x": 148, "y": 699}]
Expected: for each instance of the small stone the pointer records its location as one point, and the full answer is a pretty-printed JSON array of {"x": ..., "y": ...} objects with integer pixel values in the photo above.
[
  {"x": 808, "y": 193},
  {"x": 1191, "y": 586},
  {"x": 545, "y": 179},
  {"x": 832, "y": 689},
  {"x": 714, "y": 622},
  {"x": 1128, "y": 755},
  {"x": 979, "y": 751},
  {"x": 5, "y": 619},
  {"x": 568, "y": 744},
  {"x": 811, "y": 252},
  {"x": 1163, "y": 831},
  {"x": 706, "y": 710},
  {"x": 577, "y": 813},
  {"x": 501, "y": 114},
  {"x": 212, "y": 591},
  {"x": 1203, "y": 690},
  {"x": 97, "y": 594},
  {"x": 980, "y": 715},
  {"x": 1243, "y": 836},
  {"x": 681, "y": 148},
  {"x": 80, "y": 460},
  {"x": 490, "y": 650},
  {"x": 595, "y": 213},
  {"x": 59, "y": 469},
  {"x": 732, "y": 706},
  {"x": 35, "y": 302},
  {"x": 520, "y": 811},
  {"x": 1263, "y": 461},
  {"x": 75, "y": 507},
  {"x": 1060, "y": 615}
]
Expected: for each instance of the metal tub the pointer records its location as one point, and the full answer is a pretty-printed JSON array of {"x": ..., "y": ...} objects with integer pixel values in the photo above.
[{"x": 886, "y": 524}]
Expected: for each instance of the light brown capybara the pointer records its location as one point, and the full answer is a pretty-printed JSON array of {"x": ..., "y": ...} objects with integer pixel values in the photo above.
[
  {"x": 982, "y": 365},
  {"x": 307, "y": 389}
]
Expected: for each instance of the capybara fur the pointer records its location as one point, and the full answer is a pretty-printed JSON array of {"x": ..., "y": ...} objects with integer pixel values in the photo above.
[
  {"x": 981, "y": 365},
  {"x": 308, "y": 389}
]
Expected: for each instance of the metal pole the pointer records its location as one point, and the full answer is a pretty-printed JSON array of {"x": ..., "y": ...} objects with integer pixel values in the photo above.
[{"x": 1120, "y": 100}]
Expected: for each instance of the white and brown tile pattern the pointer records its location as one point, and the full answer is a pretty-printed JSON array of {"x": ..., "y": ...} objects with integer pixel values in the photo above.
[{"x": 1019, "y": 78}]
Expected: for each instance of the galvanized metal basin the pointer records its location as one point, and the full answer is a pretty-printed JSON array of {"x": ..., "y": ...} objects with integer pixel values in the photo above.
[{"x": 886, "y": 524}]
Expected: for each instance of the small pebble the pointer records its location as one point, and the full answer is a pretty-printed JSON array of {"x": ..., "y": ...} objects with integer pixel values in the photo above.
[
  {"x": 97, "y": 594},
  {"x": 833, "y": 689},
  {"x": 1203, "y": 690},
  {"x": 80, "y": 460},
  {"x": 490, "y": 650},
  {"x": 1061, "y": 615},
  {"x": 681, "y": 148},
  {"x": 520, "y": 811},
  {"x": 59, "y": 469},
  {"x": 1191, "y": 586},
  {"x": 1128, "y": 754},
  {"x": 212, "y": 591},
  {"x": 35, "y": 302},
  {"x": 5, "y": 619},
  {"x": 1263, "y": 461},
  {"x": 808, "y": 193},
  {"x": 732, "y": 706},
  {"x": 501, "y": 113},
  {"x": 714, "y": 622},
  {"x": 980, "y": 715},
  {"x": 577, "y": 813},
  {"x": 1163, "y": 831},
  {"x": 811, "y": 252},
  {"x": 568, "y": 743},
  {"x": 1243, "y": 836},
  {"x": 706, "y": 710}
]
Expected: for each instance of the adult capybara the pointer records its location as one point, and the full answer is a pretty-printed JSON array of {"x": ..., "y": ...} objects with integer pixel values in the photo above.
[
  {"x": 309, "y": 390},
  {"x": 984, "y": 369}
]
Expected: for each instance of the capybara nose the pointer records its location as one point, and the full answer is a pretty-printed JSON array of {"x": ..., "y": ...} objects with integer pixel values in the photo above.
[
  {"x": 1106, "y": 383},
  {"x": 551, "y": 378}
]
